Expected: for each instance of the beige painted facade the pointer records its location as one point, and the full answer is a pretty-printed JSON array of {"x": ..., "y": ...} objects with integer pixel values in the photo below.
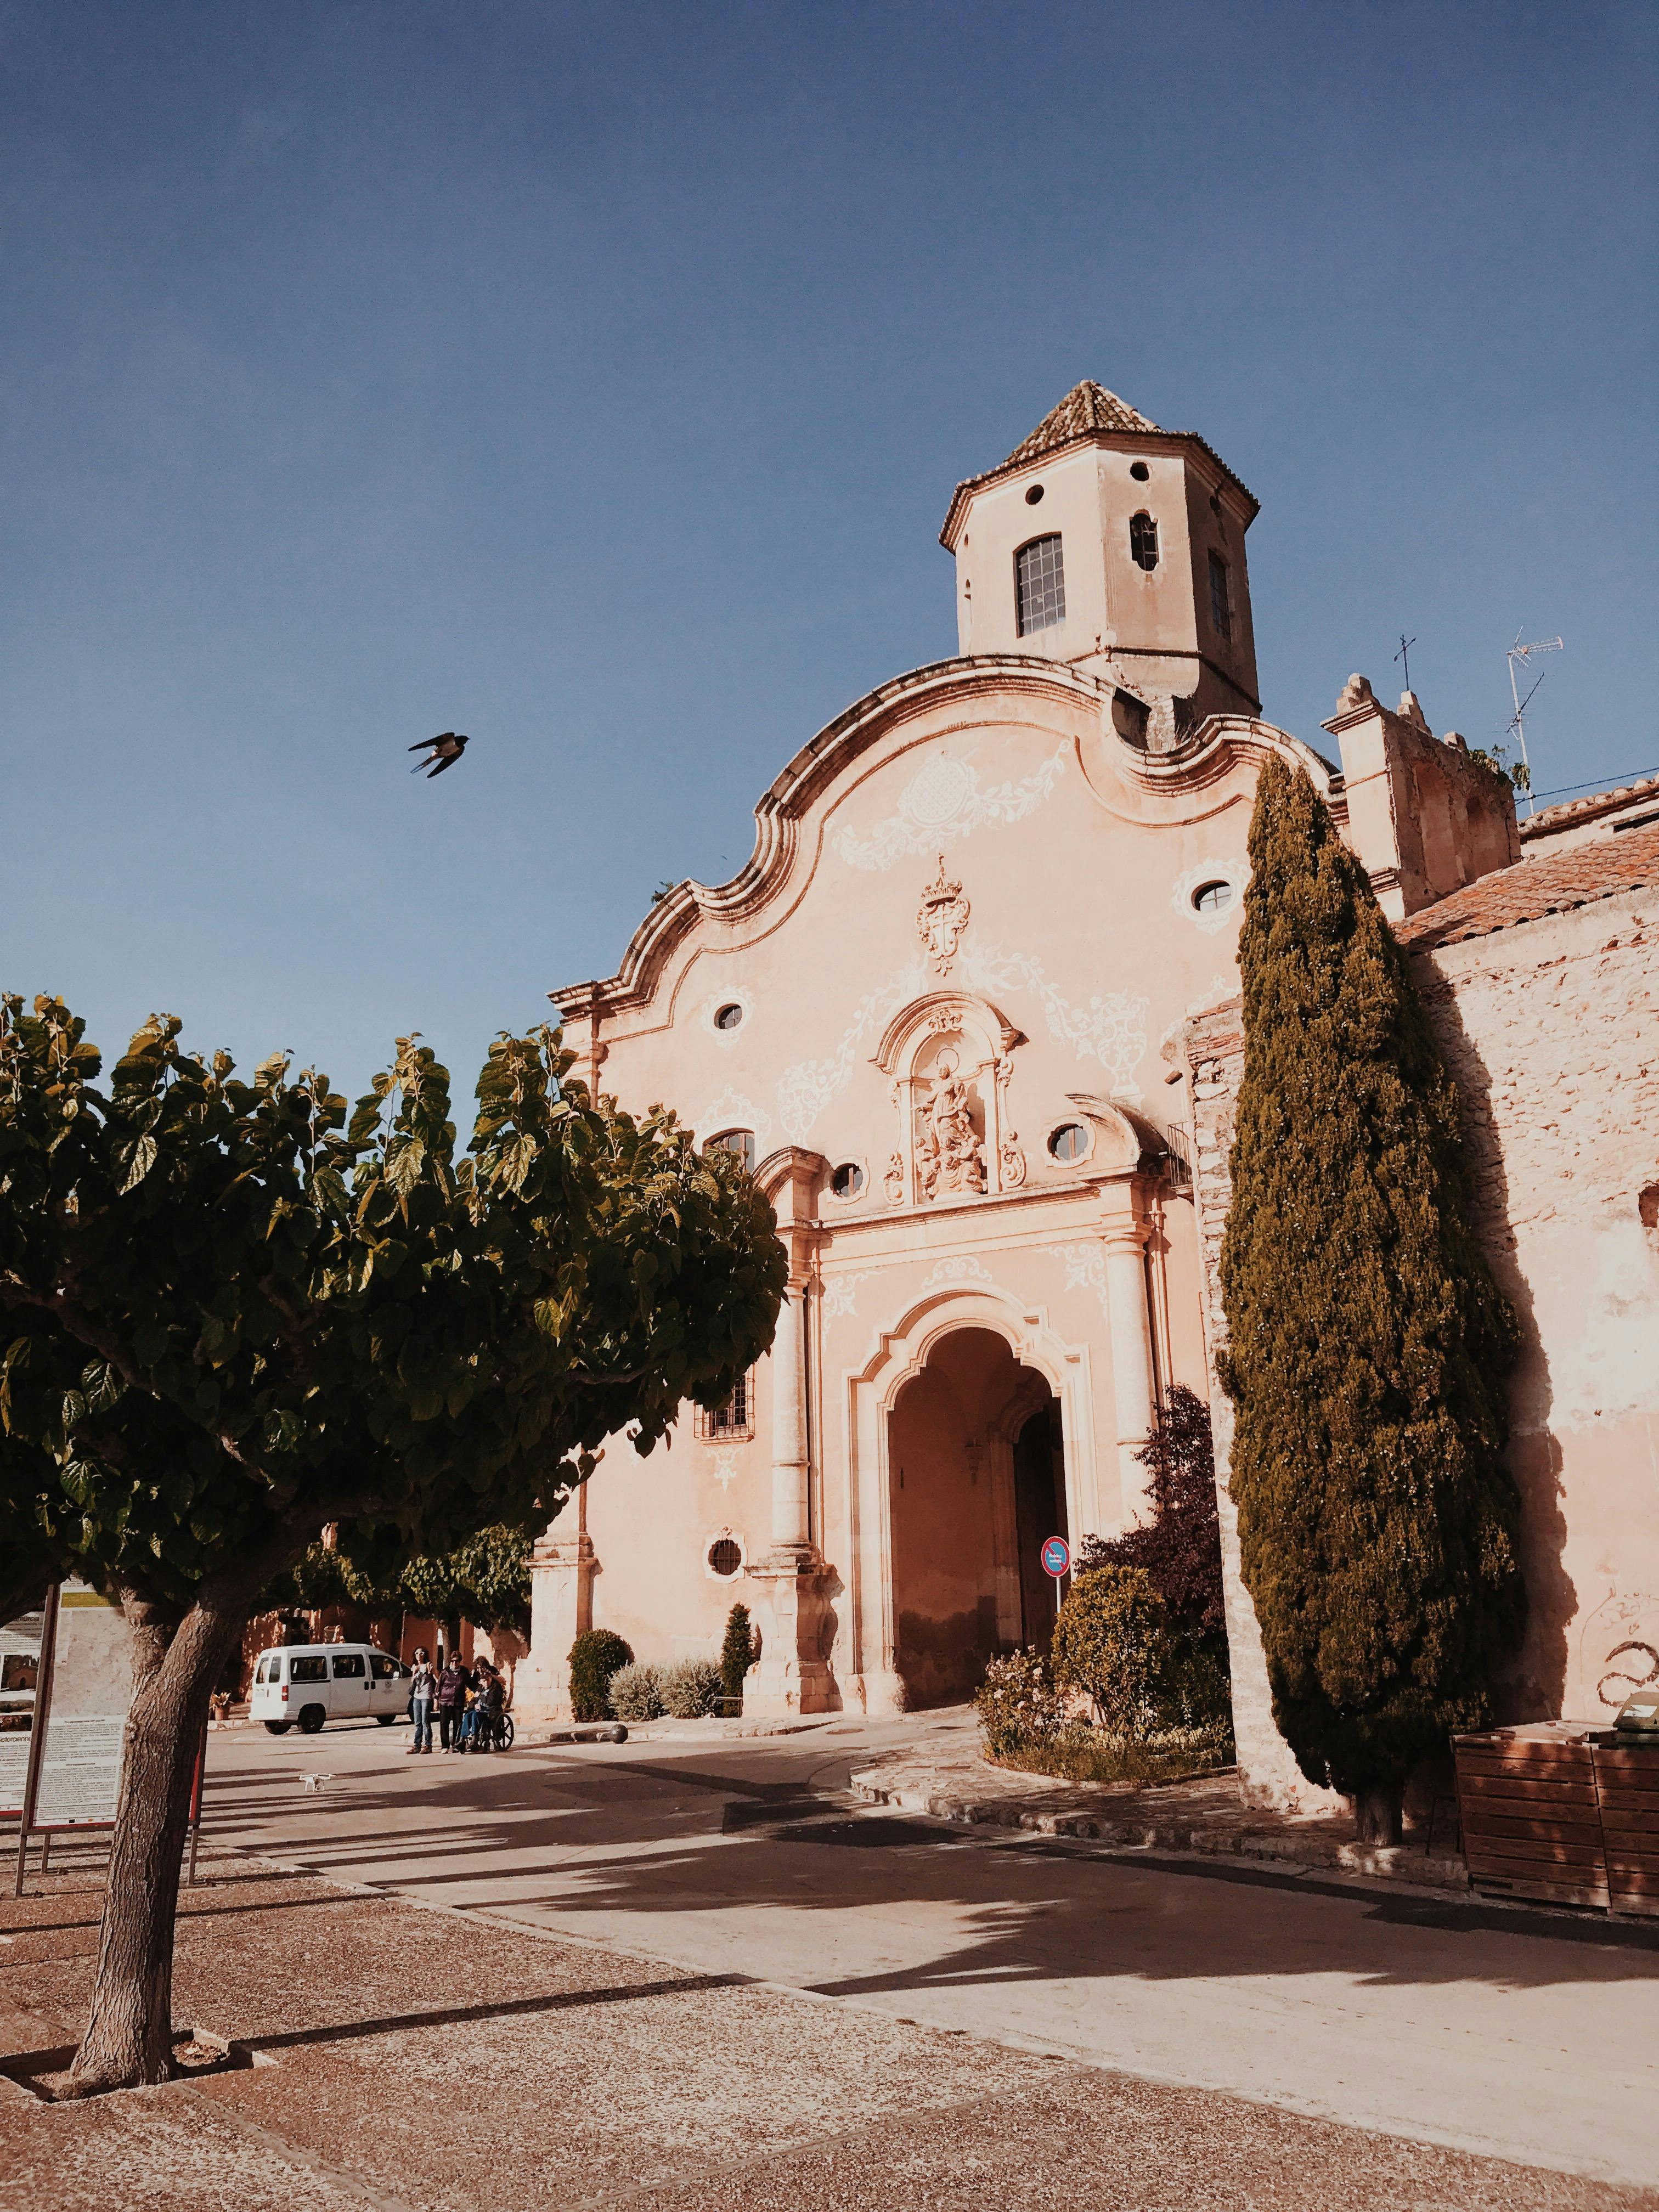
[{"x": 949, "y": 1005}]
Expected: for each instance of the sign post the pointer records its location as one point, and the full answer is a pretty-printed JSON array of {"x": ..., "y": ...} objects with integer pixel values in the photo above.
[
  {"x": 37, "y": 1729},
  {"x": 1057, "y": 1558}
]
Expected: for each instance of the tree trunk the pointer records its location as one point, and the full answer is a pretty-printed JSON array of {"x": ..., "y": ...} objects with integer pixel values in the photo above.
[
  {"x": 1379, "y": 1813},
  {"x": 129, "y": 2038}
]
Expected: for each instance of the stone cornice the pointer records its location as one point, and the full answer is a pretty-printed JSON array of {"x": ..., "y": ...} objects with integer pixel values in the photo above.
[{"x": 1204, "y": 758}]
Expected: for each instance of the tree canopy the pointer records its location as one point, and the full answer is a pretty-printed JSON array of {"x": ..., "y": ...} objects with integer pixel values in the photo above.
[
  {"x": 1368, "y": 1342},
  {"x": 234, "y": 1313}
]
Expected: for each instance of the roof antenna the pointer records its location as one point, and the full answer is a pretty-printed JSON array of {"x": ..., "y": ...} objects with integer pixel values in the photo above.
[
  {"x": 1523, "y": 653},
  {"x": 1405, "y": 644}
]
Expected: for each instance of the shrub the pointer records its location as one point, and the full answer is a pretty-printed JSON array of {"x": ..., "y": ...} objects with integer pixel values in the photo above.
[
  {"x": 595, "y": 1657},
  {"x": 1112, "y": 1642},
  {"x": 692, "y": 1689},
  {"x": 1378, "y": 1521},
  {"x": 737, "y": 1653},
  {"x": 636, "y": 1693},
  {"x": 1180, "y": 1547},
  {"x": 1018, "y": 1705}
]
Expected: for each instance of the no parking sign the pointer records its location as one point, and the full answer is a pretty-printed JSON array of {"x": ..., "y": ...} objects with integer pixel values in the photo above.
[{"x": 1056, "y": 1557}]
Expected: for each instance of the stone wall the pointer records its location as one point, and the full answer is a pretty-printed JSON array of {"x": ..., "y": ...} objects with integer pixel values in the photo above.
[{"x": 1551, "y": 1028}]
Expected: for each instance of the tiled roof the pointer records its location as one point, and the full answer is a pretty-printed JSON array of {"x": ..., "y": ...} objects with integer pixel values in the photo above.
[
  {"x": 1628, "y": 861},
  {"x": 1588, "y": 809},
  {"x": 1086, "y": 408}
]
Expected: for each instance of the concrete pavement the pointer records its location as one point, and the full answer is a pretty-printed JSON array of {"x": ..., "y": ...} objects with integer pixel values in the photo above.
[{"x": 1524, "y": 2035}]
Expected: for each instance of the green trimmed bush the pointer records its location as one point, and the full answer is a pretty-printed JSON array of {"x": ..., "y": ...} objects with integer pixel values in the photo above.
[
  {"x": 636, "y": 1693},
  {"x": 596, "y": 1655},
  {"x": 1112, "y": 1643},
  {"x": 692, "y": 1689},
  {"x": 737, "y": 1653}
]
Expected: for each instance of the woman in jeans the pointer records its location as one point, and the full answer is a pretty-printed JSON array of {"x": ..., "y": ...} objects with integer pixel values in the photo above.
[{"x": 421, "y": 1698}]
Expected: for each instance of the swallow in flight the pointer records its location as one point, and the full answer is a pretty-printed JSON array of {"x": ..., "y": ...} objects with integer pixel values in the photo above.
[{"x": 440, "y": 753}]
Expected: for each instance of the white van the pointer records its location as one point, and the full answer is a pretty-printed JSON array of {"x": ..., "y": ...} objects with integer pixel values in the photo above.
[{"x": 307, "y": 1684}]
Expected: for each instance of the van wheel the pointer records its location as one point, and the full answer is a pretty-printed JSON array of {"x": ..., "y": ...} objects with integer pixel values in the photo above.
[
  {"x": 386, "y": 1719},
  {"x": 311, "y": 1719},
  {"x": 279, "y": 1727}
]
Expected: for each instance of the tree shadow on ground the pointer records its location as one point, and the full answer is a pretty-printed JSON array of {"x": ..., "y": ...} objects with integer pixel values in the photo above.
[{"x": 1019, "y": 1908}]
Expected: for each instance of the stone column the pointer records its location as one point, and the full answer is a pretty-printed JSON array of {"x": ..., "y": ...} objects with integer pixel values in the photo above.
[
  {"x": 1125, "y": 1234},
  {"x": 791, "y": 1675},
  {"x": 562, "y": 1568}
]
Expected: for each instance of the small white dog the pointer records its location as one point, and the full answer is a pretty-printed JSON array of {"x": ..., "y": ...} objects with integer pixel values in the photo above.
[{"x": 314, "y": 1782}]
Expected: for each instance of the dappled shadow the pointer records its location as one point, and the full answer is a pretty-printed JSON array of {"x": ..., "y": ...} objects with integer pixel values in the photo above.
[{"x": 580, "y": 1840}]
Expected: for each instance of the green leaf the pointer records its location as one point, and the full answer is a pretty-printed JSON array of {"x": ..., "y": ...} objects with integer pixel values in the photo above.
[{"x": 142, "y": 1160}]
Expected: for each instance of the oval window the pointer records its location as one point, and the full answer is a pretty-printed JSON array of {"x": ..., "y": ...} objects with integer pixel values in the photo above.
[
  {"x": 1139, "y": 471},
  {"x": 724, "y": 1558},
  {"x": 1213, "y": 898},
  {"x": 728, "y": 1017},
  {"x": 1069, "y": 1142},
  {"x": 1034, "y": 496},
  {"x": 847, "y": 1180}
]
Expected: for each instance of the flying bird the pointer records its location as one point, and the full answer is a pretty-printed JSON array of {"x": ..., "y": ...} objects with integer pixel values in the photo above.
[{"x": 444, "y": 750}]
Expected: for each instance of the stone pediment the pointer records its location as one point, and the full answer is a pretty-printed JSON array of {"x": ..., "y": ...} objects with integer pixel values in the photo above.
[{"x": 939, "y": 1013}]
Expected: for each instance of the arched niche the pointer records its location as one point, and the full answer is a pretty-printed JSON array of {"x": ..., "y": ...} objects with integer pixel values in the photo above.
[{"x": 948, "y": 1057}]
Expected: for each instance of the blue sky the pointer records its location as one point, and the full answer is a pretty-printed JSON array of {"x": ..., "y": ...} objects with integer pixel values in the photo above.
[{"x": 595, "y": 380}]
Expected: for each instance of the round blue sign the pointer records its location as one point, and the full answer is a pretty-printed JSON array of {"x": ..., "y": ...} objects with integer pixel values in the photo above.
[{"x": 1056, "y": 1557}]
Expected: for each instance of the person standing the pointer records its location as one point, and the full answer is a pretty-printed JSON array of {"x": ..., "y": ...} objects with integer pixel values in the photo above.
[
  {"x": 423, "y": 1689},
  {"x": 452, "y": 1684}
]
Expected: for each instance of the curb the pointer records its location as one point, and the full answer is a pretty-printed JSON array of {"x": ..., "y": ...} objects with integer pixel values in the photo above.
[{"x": 1396, "y": 1862}]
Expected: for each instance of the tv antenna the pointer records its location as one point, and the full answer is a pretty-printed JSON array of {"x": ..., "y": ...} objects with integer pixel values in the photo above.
[
  {"x": 1522, "y": 655},
  {"x": 1405, "y": 644}
]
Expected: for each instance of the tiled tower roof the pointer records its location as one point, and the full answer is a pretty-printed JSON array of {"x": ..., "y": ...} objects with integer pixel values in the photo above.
[
  {"x": 1088, "y": 410},
  {"x": 1087, "y": 406}
]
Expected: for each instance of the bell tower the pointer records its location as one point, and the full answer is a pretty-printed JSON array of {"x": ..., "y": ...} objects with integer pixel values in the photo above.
[{"x": 1109, "y": 544}]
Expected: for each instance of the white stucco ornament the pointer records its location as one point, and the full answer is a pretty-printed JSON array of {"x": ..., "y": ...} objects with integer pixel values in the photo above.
[
  {"x": 944, "y": 801},
  {"x": 1234, "y": 872},
  {"x": 941, "y": 918}
]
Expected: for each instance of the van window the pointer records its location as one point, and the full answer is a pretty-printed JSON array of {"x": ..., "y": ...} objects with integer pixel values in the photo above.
[
  {"x": 308, "y": 1670},
  {"x": 348, "y": 1665},
  {"x": 383, "y": 1669},
  {"x": 267, "y": 1670}
]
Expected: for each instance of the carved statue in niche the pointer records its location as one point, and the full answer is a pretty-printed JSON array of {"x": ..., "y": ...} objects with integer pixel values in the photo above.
[{"x": 949, "y": 1153}]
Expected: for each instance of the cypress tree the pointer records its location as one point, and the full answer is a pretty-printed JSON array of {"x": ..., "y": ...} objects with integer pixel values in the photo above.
[{"x": 1369, "y": 1343}]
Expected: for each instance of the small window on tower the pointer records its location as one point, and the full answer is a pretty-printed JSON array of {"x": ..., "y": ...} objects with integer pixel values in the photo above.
[
  {"x": 1221, "y": 604},
  {"x": 1143, "y": 541},
  {"x": 1040, "y": 582},
  {"x": 731, "y": 1423}
]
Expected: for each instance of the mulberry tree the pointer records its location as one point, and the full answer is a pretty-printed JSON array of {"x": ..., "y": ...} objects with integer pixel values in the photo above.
[
  {"x": 230, "y": 1317},
  {"x": 1368, "y": 1342}
]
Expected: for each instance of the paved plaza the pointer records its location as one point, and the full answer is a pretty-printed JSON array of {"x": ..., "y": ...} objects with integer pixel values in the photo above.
[{"x": 697, "y": 1973}]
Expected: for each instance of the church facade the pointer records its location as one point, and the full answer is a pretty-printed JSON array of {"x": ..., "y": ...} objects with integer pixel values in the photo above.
[{"x": 946, "y": 1013}]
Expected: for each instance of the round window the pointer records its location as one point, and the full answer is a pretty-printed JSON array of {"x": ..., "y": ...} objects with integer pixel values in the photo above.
[
  {"x": 727, "y": 1017},
  {"x": 1068, "y": 1142},
  {"x": 724, "y": 1558},
  {"x": 1213, "y": 898},
  {"x": 1034, "y": 496},
  {"x": 847, "y": 1180},
  {"x": 1139, "y": 471}
]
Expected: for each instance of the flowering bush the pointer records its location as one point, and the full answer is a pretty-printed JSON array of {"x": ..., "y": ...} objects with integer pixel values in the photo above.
[
  {"x": 1018, "y": 1705},
  {"x": 636, "y": 1693},
  {"x": 690, "y": 1689}
]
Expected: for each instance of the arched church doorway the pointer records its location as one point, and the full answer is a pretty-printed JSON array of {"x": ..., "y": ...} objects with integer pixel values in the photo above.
[{"x": 977, "y": 1481}]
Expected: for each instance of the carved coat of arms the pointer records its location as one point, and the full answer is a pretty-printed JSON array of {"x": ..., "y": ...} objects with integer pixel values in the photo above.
[{"x": 940, "y": 919}]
